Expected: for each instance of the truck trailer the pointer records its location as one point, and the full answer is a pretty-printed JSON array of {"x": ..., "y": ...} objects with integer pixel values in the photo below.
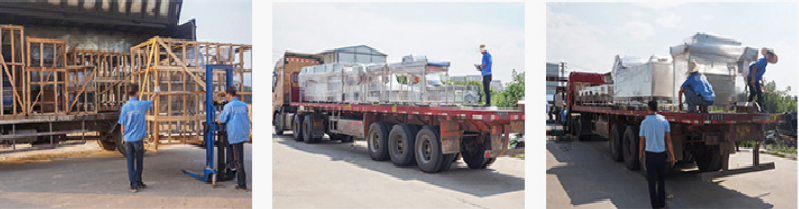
[{"x": 431, "y": 135}]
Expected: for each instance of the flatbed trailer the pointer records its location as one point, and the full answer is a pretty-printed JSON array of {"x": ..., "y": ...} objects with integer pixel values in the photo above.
[
  {"x": 432, "y": 137},
  {"x": 49, "y": 131},
  {"x": 705, "y": 138}
]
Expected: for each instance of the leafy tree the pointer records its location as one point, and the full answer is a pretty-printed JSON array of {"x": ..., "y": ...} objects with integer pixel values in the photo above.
[
  {"x": 778, "y": 101},
  {"x": 512, "y": 93}
]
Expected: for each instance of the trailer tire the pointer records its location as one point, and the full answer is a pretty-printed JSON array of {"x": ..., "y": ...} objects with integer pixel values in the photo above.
[
  {"x": 447, "y": 162},
  {"x": 401, "y": 142},
  {"x": 473, "y": 152},
  {"x": 614, "y": 143},
  {"x": 428, "y": 150},
  {"x": 307, "y": 130},
  {"x": 347, "y": 138},
  {"x": 376, "y": 140},
  {"x": 709, "y": 159},
  {"x": 120, "y": 143},
  {"x": 296, "y": 127},
  {"x": 580, "y": 130},
  {"x": 278, "y": 127},
  {"x": 630, "y": 148}
]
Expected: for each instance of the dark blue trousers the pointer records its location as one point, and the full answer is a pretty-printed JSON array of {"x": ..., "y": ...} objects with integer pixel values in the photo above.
[
  {"x": 656, "y": 176},
  {"x": 135, "y": 154}
]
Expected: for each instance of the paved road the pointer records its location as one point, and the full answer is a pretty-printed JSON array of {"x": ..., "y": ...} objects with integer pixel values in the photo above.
[
  {"x": 93, "y": 178},
  {"x": 582, "y": 175},
  {"x": 336, "y": 175}
]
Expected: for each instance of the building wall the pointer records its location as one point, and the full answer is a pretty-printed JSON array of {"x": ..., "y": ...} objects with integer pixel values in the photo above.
[{"x": 552, "y": 71}]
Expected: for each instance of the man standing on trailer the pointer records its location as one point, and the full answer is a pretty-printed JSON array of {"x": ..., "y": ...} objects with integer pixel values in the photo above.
[
  {"x": 755, "y": 77},
  {"x": 698, "y": 91},
  {"x": 133, "y": 128},
  {"x": 235, "y": 115},
  {"x": 655, "y": 137},
  {"x": 485, "y": 71}
]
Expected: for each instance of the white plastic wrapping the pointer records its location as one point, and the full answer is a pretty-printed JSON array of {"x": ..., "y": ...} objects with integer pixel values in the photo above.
[{"x": 642, "y": 79}]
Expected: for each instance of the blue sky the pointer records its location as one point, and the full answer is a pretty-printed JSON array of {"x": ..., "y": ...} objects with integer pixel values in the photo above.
[
  {"x": 222, "y": 22},
  {"x": 442, "y": 31},
  {"x": 588, "y": 35}
]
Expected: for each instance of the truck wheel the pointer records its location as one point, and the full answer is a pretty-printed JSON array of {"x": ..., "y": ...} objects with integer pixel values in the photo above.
[
  {"x": 307, "y": 130},
  {"x": 120, "y": 143},
  {"x": 580, "y": 131},
  {"x": 428, "y": 150},
  {"x": 107, "y": 142},
  {"x": 447, "y": 162},
  {"x": 377, "y": 141},
  {"x": 401, "y": 142},
  {"x": 630, "y": 148},
  {"x": 473, "y": 152},
  {"x": 278, "y": 127},
  {"x": 614, "y": 143},
  {"x": 709, "y": 158},
  {"x": 296, "y": 127}
]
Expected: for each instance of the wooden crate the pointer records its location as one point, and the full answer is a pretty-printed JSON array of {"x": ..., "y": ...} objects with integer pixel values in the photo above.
[
  {"x": 109, "y": 79},
  {"x": 46, "y": 71},
  {"x": 178, "y": 68},
  {"x": 12, "y": 63}
]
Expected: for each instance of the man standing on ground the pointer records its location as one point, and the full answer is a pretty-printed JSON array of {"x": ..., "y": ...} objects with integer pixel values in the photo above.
[
  {"x": 655, "y": 136},
  {"x": 133, "y": 128},
  {"x": 485, "y": 71},
  {"x": 755, "y": 77},
  {"x": 698, "y": 91},
  {"x": 235, "y": 115}
]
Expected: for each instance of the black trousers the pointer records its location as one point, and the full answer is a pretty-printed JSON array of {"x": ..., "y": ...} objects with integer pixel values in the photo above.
[
  {"x": 238, "y": 157},
  {"x": 755, "y": 90},
  {"x": 487, "y": 88},
  {"x": 656, "y": 173}
]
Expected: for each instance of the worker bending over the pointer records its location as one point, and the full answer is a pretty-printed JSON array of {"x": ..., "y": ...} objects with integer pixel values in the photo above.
[
  {"x": 697, "y": 90},
  {"x": 133, "y": 128},
  {"x": 236, "y": 116},
  {"x": 755, "y": 77}
]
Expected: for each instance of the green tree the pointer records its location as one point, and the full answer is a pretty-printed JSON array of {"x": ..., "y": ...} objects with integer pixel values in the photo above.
[
  {"x": 778, "y": 101},
  {"x": 512, "y": 93}
]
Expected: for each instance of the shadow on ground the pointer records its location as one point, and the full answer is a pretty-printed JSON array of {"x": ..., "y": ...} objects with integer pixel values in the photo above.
[
  {"x": 480, "y": 183},
  {"x": 588, "y": 175}
]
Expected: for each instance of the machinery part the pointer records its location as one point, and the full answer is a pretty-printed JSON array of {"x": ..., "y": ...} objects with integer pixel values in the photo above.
[
  {"x": 630, "y": 147},
  {"x": 278, "y": 124},
  {"x": 107, "y": 142},
  {"x": 428, "y": 150},
  {"x": 296, "y": 127},
  {"x": 307, "y": 130},
  {"x": 401, "y": 142},
  {"x": 473, "y": 152},
  {"x": 346, "y": 138},
  {"x": 376, "y": 140},
  {"x": 708, "y": 157},
  {"x": 614, "y": 143}
]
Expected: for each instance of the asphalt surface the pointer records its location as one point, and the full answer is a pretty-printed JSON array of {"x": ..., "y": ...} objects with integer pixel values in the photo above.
[
  {"x": 580, "y": 174},
  {"x": 342, "y": 175},
  {"x": 89, "y": 177}
]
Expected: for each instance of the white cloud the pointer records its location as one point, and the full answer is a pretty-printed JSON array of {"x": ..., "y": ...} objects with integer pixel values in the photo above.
[
  {"x": 636, "y": 31},
  {"x": 707, "y": 17},
  {"x": 577, "y": 43},
  {"x": 315, "y": 27},
  {"x": 669, "y": 19},
  {"x": 659, "y": 5}
]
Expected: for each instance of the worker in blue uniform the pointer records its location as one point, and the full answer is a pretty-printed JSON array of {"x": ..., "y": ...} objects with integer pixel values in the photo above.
[
  {"x": 485, "y": 71},
  {"x": 755, "y": 77},
  {"x": 697, "y": 90},
  {"x": 655, "y": 137},
  {"x": 133, "y": 128},
  {"x": 235, "y": 115}
]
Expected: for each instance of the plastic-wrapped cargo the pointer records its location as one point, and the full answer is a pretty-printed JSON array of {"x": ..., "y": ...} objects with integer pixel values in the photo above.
[
  {"x": 724, "y": 61},
  {"x": 639, "y": 79}
]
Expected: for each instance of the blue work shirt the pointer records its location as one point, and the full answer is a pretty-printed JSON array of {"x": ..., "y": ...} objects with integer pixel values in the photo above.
[
  {"x": 132, "y": 119},
  {"x": 698, "y": 83},
  {"x": 235, "y": 115},
  {"x": 761, "y": 69},
  {"x": 654, "y": 129},
  {"x": 486, "y": 70}
]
